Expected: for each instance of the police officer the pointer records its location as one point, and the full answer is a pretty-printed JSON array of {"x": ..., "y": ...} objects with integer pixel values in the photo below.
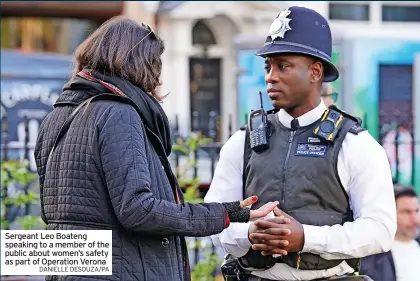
[{"x": 335, "y": 189}]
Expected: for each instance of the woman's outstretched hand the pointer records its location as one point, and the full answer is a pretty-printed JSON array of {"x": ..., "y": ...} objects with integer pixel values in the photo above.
[{"x": 262, "y": 211}]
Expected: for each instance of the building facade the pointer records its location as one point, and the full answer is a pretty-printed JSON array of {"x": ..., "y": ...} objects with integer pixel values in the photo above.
[{"x": 213, "y": 76}]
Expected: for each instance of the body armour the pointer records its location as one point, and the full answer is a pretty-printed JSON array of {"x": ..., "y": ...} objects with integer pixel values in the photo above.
[{"x": 299, "y": 169}]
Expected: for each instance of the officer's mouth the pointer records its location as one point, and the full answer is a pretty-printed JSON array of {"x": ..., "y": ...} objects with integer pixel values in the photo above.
[{"x": 274, "y": 94}]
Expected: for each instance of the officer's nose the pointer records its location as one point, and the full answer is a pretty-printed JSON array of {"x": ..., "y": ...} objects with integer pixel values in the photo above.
[{"x": 272, "y": 76}]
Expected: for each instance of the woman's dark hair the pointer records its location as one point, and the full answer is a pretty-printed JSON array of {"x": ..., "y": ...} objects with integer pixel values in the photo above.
[{"x": 123, "y": 48}]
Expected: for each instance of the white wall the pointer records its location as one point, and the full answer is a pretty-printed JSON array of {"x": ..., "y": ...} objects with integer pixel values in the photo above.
[
  {"x": 247, "y": 20},
  {"x": 374, "y": 27},
  {"x": 227, "y": 20}
]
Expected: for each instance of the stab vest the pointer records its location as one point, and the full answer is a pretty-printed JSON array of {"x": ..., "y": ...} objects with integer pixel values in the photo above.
[{"x": 299, "y": 169}]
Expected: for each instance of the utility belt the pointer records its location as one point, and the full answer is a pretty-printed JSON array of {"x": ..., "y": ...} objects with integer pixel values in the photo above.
[{"x": 234, "y": 269}]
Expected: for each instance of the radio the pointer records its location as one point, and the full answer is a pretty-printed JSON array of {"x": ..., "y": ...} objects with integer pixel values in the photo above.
[{"x": 259, "y": 128}]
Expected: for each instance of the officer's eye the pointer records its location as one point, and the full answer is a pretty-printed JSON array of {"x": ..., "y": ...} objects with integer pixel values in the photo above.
[
  {"x": 283, "y": 66},
  {"x": 267, "y": 68}
]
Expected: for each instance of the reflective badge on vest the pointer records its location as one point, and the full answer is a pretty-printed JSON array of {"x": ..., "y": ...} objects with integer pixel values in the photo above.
[{"x": 310, "y": 149}]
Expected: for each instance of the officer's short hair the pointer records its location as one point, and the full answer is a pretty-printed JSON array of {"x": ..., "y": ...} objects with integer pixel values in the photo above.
[{"x": 401, "y": 191}]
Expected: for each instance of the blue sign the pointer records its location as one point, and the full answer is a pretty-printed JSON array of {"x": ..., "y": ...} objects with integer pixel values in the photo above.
[
  {"x": 30, "y": 85},
  {"x": 250, "y": 82}
]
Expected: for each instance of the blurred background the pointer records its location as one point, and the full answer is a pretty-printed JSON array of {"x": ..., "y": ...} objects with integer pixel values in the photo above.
[{"x": 213, "y": 77}]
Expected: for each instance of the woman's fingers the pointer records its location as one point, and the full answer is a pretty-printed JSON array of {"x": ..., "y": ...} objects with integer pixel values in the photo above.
[
  {"x": 263, "y": 210},
  {"x": 249, "y": 201}
]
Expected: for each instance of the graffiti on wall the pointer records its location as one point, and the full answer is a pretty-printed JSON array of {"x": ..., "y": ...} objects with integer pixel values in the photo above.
[{"x": 382, "y": 88}]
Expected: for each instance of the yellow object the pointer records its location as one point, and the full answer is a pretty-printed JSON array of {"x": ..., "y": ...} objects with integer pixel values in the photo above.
[{"x": 298, "y": 261}]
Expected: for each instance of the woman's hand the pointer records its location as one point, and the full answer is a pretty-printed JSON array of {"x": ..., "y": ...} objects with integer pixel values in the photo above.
[{"x": 262, "y": 211}]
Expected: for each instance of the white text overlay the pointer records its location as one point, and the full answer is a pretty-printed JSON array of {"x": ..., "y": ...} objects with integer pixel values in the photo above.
[{"x": 56, "y": 252}]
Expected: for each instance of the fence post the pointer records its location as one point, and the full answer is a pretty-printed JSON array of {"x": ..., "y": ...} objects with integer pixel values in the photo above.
[
  {"x": 5, "y": 131},
  {"x": 176, "y": 136},
  {"x": 195, "y": 127},
  {"x": 397, "y": 156},
  {"x": 212, "y": 125},
  {"x": 413, "y": 160},
  {"x": 4, "y": 191},
  {"x": 26, "y": 157}
]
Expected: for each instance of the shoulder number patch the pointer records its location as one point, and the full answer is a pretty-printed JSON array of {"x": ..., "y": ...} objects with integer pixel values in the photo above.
[{"x": 356, "y": 129}]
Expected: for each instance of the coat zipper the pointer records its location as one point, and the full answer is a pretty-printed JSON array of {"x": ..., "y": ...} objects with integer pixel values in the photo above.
[{"x": 292, "y": 135}]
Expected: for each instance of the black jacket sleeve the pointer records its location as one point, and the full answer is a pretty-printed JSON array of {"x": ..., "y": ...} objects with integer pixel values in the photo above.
[{"x": 122, "y": 148}]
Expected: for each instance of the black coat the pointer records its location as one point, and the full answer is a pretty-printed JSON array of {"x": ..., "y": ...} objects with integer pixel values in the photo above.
[
  {"x": 105, "y": 174},
  {"x": 379, "y": 267}
]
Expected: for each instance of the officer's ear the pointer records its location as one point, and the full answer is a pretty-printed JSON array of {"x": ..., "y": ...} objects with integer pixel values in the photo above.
[{"x": 317, "y": 71}]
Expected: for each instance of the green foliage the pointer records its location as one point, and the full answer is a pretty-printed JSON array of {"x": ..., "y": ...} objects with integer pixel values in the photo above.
[
  {"x": 30, "y": 222},
  {"x": 204, "y": 268},
  {"x": 17, "y": 172},
  {"x": 188, "y": 148}
]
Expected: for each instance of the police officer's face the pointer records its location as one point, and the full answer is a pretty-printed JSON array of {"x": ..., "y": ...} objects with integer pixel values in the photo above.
[
  {"x": 291, "y": 79},
  {"x": 408, "y": 219}
]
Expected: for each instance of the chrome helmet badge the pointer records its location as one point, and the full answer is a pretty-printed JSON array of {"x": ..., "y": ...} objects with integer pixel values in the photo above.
[{"x": 280, "y": 25}]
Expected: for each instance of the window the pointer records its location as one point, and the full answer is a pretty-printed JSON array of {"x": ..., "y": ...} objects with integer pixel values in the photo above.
[
  {"x": 400, "y": 13},
  {"x": 44, "y": 34},
  {"x": 202, "y": 34},
  {"x": 339, "y": 11}
]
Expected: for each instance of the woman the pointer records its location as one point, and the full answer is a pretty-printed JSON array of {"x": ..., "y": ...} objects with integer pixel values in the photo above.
[{"x": 109, "y": 167}]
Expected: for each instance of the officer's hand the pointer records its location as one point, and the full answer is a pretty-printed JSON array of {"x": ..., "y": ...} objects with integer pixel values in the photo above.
[
  {"x": 260, "y": 212},
  {"x": 276, "y": 235},
  {"x": 279, "y": 235}
]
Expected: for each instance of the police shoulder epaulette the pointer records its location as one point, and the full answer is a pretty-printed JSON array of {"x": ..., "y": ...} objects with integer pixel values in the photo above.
[
  {"x": 356, "y": 129},
  {"x": 273, "y": 111},
  {"x": 345, "y": 114}
]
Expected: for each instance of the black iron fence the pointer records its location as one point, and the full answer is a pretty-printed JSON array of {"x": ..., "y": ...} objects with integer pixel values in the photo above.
[
  {"x": 204, "y": 156},
  {"x": 395, "y": 137},
  {"x": 24, "y": 153}
]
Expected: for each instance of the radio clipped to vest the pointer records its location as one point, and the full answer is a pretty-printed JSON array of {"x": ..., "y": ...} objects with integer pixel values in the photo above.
[
  {"x": 259, "y": 128},
  {"x": 330, "y": 124}
]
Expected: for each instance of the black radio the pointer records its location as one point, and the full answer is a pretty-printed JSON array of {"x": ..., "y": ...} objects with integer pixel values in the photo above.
[{"x": 259, "y": 127}]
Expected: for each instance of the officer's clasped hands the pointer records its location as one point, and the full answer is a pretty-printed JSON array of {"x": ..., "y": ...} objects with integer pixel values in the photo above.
[{"x": 278, "y": 235}]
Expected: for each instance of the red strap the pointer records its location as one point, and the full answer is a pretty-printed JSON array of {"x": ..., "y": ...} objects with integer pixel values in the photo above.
[{"x": 88, "y": 76}]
